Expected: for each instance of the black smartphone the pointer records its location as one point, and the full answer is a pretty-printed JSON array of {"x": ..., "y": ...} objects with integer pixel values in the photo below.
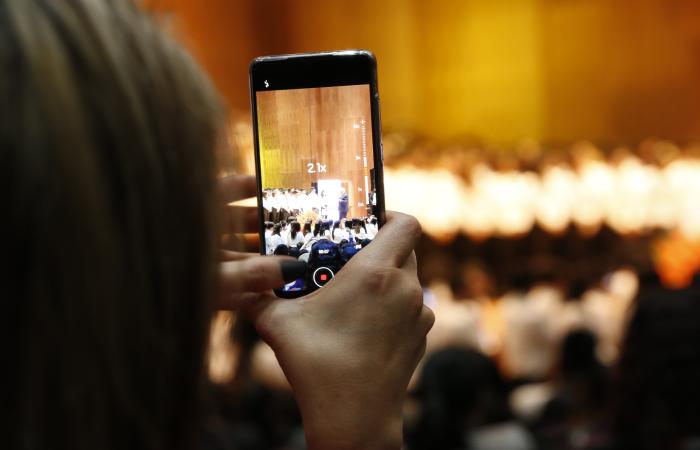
[{"x": 318, "y": 159}]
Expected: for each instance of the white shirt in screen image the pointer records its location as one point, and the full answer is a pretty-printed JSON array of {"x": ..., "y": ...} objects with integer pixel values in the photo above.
[
  {"x": 308, "y": 237},
  {"x": 314, "y": 201},
  {"x": 272, "y": 200},
  {"x": 372, "y": 230},
  {"x": 293, "y": 202},
  {"x": 339, "y": 234},
  {"x": 279, "y": 200},
  {"x": 268, "y": 244},
  {"x": 274, "y": 241},
  {"x": 285, "y": 200},
  {"x": 293, "y": 241},
  {"x": 266, "y": 201},
  {"x": 362, "y": 235},
  {"x": 309, "y": 243},
  {"x": 304, "y": 202}
]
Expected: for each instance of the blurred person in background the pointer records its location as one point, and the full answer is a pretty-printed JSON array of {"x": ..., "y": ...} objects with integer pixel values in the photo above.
[
  {"x": 574, "y": 418},
  {"x": 657, "y": 384},
  {"x": 111, "y": 217},
  {"x": 254, "y": 408},
  {"x": 461, "y": 404},
  {"x": 532, "y": 323}
]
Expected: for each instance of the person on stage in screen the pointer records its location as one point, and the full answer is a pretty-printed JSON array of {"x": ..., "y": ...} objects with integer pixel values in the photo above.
[
  {"x": 323, "y": 201},
  {"x": 314, "y": 201},
  {"x": 266, "y": 205},
  {"x": 283, "y": 204},
  {"x": 343, "y": 204},
  {"x": 273, "y": 201},
  {"x": 295, "y": 204},
  {"x": 304, "y": 202}
]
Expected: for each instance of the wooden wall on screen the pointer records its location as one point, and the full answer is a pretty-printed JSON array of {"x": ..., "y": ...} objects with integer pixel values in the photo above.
[{"x": 303, "y": 128}]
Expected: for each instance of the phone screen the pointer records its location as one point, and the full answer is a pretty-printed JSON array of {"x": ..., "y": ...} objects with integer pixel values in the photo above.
[{"x": 317, "y": 175}]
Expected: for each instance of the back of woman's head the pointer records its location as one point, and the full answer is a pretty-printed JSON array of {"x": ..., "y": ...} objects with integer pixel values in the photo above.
[
  {"x": 657, "y": 385},
  {"x": 578, "y": 353},
  {"x": 458, "y": 388},
  {"x": 107, "y": 135}
]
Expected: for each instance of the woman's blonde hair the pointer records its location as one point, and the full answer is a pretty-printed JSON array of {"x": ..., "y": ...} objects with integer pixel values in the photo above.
[{"x": 107, "y": 136}]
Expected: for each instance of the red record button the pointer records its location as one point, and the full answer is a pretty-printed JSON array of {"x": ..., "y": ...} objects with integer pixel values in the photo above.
[{"x": 322, "y": 275}]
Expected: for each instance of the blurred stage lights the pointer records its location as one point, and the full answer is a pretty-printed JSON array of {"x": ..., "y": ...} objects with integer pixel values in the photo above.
[{"x": 631, "y": 197}]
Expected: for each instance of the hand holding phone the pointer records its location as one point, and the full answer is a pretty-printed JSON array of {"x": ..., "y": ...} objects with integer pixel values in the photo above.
[
  {"x": 349, "y": 350},
  {"x": 318, "y": 160}
]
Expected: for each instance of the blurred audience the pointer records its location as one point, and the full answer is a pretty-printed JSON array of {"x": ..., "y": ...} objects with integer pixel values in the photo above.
[
  {"x": 575, "y": 416},
  {"x": 462, "y": 403},
  {"x": 647, "y": 398},
  {"x": 657, "y": 390}
]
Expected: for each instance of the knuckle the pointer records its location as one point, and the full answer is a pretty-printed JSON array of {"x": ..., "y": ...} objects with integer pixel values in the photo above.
[
  {"x": 415, "y": 293},
  {"x": 427, "y": 318},
  {"x": 380, "y": 279},
  {"x": 422, "y": 348},
  {"x": 412, "y": 227}
]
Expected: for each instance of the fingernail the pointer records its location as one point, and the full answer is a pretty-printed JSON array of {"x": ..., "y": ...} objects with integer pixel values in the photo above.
[{"x": 292, "y": 270}]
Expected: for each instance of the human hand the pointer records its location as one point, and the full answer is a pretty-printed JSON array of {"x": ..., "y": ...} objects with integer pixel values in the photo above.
[
  {"x": 349, "y": 349},
  {"x": 245, "y": 273}
]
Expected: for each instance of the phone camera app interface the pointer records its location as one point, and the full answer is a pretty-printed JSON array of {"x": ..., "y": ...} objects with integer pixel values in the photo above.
[{"x": 317, "y": 173}]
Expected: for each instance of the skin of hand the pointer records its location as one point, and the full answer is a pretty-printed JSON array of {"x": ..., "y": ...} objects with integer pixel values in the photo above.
[{"x": 349, "y": 349}]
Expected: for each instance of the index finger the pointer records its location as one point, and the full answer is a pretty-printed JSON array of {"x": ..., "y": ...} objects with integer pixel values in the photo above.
[
  {"x": 396, "y": 239},
  {"x": 259, "y": 273},
  {"x": 237, "y": 187}
]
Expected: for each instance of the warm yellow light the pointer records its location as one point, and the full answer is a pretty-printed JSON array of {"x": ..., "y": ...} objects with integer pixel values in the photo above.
[{"x": 631, "y": 197}]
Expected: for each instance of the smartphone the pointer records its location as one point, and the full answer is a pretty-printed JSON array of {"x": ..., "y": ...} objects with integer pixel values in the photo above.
[{"x": 318, "y": 159}]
